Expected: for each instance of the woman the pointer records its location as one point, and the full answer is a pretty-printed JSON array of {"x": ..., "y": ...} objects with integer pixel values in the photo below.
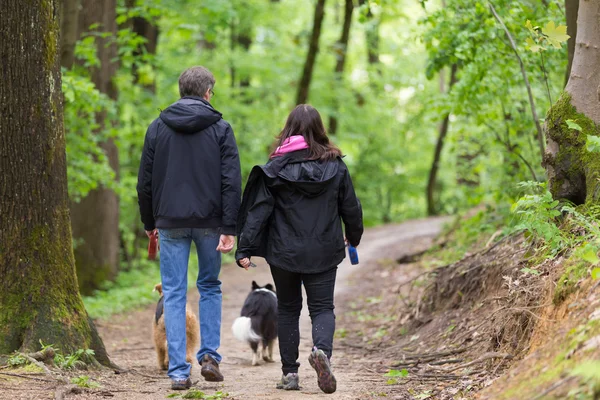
[{"x": 290, "y": 215}]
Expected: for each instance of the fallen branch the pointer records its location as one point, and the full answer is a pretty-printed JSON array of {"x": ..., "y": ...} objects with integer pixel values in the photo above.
[
  {"x": 25, "y": 377},
  {"x": 451, "y": 361},
  {"x": 485, "y": 357}
]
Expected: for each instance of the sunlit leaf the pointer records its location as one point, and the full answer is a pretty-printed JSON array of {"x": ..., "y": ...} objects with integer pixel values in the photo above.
[{"x": 555, "y": 34}]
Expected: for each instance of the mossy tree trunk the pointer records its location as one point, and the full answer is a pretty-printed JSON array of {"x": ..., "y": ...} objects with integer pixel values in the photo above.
[
  {"x": 95, "y": 219},
  {"x": 39, "y": 299},
  {"x": 574, "y": 172}
]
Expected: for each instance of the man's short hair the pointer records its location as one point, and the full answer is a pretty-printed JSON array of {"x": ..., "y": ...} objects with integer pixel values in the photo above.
[{"x": 195, "y": 81}]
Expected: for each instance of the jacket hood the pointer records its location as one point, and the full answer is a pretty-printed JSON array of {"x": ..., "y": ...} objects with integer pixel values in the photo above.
[
  {"x": 311, "y": 177},
  {"x": 190, "y": 115}
]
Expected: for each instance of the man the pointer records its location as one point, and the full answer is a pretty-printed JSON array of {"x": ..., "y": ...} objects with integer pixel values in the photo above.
[{"x": 189, "y": 188}]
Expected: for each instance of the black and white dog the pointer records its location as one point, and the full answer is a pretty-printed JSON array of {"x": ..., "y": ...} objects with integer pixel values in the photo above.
[{"x": 258, "y": 322}]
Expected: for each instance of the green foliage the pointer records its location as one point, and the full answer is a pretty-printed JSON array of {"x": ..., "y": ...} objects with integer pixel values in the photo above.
[
  {"x": 388, "y": 110},
  {"x": 394, "y": 374},
  {"x": 87, "y": 163},
  {"x": 85, "y": 381},
  {"x": 70, "y": 361},
  {"x": 551, "y": 34},
  {"x": 538, "y": 216},
  {"x": 17, "y": 360}
]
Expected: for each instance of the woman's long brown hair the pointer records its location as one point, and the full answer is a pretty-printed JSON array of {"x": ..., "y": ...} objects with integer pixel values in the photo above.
[{"x": 305, "y": 120}]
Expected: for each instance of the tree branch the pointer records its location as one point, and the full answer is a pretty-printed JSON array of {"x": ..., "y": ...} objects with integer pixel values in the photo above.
[{"x": 540, "y": 135}]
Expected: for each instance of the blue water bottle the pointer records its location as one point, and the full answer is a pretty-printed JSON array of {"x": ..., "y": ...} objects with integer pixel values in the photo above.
[{"x": 353, "y": 254}]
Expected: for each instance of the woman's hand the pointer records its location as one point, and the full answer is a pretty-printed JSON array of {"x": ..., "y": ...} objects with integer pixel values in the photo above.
[{"x": 245, "y": 263}]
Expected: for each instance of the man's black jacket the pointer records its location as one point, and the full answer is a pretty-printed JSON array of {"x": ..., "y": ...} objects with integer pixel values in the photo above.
[
  {"x": 190, "y": 170},
  {"x": 291, "y": 211}
]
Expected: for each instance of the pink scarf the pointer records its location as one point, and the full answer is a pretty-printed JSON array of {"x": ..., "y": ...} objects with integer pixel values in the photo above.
[{"x": 293, "y": 143}]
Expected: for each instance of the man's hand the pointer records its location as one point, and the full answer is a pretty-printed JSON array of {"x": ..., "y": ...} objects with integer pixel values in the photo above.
[
  {"x": 226, "y": 243},
  {"x": 152, "y": 232},
  {"x": 245, "y": 263}
]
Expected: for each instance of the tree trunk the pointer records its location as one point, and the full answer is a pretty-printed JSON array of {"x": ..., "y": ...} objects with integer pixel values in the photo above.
[
  {"x": 573, "y": 171},
  {"x": 39, "y": 299},
  {"x": 371, "y": 36},
  {"x": 341, "y": 51},
  {"x": 571, "y": 7},
  {"x": 311, "y": 56},
  {"x": 437, "y": 155},
  {"x": 146, "y": 29},
  {"x": 69, "y": 31},
  {"x": 95, "y": 219}
]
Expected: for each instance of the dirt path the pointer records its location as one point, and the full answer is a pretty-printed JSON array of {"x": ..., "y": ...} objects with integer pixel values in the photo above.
[{"x": 128, "y": 337}]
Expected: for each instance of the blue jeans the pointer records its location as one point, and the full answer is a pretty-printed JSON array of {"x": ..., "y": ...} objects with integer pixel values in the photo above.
[{"x": 175, "y": 247}]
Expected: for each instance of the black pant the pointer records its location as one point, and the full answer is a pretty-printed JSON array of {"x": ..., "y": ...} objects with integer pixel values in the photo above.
[{"x": 319, "y": 292}]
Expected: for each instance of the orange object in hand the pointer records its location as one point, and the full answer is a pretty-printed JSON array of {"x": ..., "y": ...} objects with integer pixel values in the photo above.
[{"x": 153, "y": 245}]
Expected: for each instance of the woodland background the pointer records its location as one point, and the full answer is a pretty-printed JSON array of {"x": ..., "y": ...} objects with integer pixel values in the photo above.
[
  {"x": 486, "y": 110},
  {"x": 426, "y": 99}
]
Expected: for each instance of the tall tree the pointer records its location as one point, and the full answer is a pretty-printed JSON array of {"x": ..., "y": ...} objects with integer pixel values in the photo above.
[
  {"x": 69, "y": 31},
  {"x": 95, "y": 219},
  {"x": 571, "y": 9},
  {"x": 341, "y": 50},
  {"x": 311, "y": 56},
  {"x": 39, "y": 299},
  {"x": 432, "y": 209},
  {"x": 573, "y": 171}
]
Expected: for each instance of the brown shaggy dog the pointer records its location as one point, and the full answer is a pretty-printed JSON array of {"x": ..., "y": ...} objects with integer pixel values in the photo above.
[{"x": 192, "y": 330}]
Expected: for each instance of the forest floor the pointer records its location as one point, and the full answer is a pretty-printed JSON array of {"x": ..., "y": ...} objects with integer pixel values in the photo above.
[
  {"x": 408, "y": 327},
  {"x": 128, "y": 338}
]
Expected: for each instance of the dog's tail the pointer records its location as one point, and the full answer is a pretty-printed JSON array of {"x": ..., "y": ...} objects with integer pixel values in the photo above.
[
  {"x": 242, "y": 330},
  {"x": 158, "y": 288}
]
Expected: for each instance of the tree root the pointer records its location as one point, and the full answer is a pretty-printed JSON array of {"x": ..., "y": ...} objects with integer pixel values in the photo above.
[
  {"x": 485, "y": 357},
  {"x": 25, "y": 377}
]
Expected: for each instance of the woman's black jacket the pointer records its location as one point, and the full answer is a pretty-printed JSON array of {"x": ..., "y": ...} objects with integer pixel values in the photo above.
[{"x": 292, "y": 213}]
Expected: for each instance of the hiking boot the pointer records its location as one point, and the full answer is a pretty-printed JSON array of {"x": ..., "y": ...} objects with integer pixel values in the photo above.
[
  {"x": 210, "y": 369},
  {"x": 290, "y": 381},
  {"x": 320, "y": 362},
  {"x": 181, "y": 384}
]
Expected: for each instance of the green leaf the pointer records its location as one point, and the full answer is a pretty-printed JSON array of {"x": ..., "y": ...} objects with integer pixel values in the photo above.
[
  {"x": 590, "y": 255},
  {"x": 555, "y": 34},
  {"x": 533, "y": 46},
  {"x": 394, "y": 372},
  {"x": 530, "y": 27},
  {"x": 593, "y": 144},
  {"x": 595, "y": 273},
  {"x": 573, "y": 125},
  {"x": 391, "y": 381}
]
